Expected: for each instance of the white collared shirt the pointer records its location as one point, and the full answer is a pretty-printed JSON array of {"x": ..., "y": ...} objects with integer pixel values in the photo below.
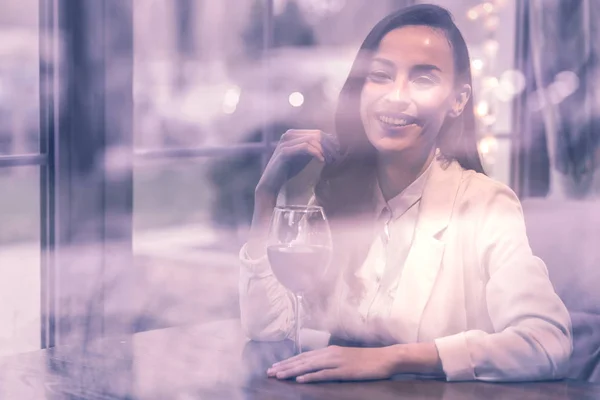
[
  {"x": 397, "y": 220},
  {"x": 382, "y": 268}
]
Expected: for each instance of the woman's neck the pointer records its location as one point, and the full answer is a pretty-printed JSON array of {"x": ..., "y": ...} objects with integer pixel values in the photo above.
[{"x": 397, "y": 171}]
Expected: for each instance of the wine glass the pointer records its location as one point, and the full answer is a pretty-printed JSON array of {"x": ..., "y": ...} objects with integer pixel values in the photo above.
[{"x": 299, "y": 251}]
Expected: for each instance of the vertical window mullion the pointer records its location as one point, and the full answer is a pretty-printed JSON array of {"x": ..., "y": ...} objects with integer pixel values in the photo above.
[
  {"x": 48, "y": 64},
  {"x": 267, "y": 130},
  {"x": 92, "y": 182}
]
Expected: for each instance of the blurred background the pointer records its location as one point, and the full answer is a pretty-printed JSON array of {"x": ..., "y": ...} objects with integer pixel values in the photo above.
[{"x": 133, "y": 133}]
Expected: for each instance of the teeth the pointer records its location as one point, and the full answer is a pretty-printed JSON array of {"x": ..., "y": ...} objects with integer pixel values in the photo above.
[{"x": 392, "y": 121}]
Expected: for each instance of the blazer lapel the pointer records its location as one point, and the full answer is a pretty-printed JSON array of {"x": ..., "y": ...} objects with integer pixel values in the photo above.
[{"x": 425, "y": 256}]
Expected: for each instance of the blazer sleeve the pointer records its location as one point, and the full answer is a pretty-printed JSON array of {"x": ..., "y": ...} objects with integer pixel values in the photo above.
[
  {"x": 532, "y": 327},
  {"x": 266, "y": 307}
]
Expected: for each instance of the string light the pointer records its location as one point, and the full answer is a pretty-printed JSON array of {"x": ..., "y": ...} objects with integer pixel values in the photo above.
[
  {"x": 490, "y": 47},
  {"x": 482, "y": 108},
  {"x": 231, "y": 100},
  {"x": 489, "y": 89},
  {"x": 296, "y": 99},
  {"x": 490, "y": 82},
  {"x": 491, "y": 23},
  {"x": 488, "y": 146},
  {"x": 477, "y": 64},
  {"x": 512, "y": 82}
]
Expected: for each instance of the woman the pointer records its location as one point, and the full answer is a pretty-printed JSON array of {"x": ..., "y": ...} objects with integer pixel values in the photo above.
[{"x": 432, "y": 263}]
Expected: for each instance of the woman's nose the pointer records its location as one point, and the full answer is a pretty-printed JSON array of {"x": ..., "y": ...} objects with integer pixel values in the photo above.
[{"x": 398, "y": 94}]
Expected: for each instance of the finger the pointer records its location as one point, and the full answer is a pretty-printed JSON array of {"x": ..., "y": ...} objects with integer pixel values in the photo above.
[
  {"x": 295, "y": 133},
  {"x": 286, "y": 365},
  {"x": 295, "y": 361},
  {"x": 332, "y": 374},
  {"x": 331, "y": 147},
  {"x": 303, "y": 139},
  {"x": 289, "y": 371},
  {"x": 327, "y": 143},
  {"x": 310, "y": 361},
  {"x": 302, "y": 356},
  {"x": 303, "y": 368},
  {"x": 303, "y": 148}
]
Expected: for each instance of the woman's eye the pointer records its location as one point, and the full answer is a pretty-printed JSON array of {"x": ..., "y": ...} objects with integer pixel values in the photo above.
[
  {"x": 424, "y": 81},
  {"x": 379, "y": 76}
]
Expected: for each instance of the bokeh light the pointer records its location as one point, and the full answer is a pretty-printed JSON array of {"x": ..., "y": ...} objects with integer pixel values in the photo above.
[{"x": 296, "y": 99}]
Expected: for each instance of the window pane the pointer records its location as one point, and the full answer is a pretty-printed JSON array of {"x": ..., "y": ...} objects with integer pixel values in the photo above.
[
  {"x": 186, "y": 92},
  {"x": 190, "y": 218},
  {"x": 19, "y": 260},
  {"x": 19, "y": 77}
]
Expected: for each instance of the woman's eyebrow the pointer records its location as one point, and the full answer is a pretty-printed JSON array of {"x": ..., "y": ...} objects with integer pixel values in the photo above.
[
  {"x": 418, "y": 67},
  {"x": 384, "y": 61},
  {"x": 426, "y": 68}
]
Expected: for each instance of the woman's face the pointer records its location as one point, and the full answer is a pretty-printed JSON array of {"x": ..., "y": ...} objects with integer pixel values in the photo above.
[{"x": 409, "y": 90}]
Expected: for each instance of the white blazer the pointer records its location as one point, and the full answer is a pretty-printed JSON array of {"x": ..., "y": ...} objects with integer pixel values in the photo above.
[{"x": 470, "y": 284}]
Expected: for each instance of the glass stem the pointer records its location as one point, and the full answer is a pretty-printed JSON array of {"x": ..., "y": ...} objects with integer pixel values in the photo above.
[{"x": 297, "y": 342}]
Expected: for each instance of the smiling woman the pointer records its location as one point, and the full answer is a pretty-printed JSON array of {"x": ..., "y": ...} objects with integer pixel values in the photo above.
[{"x": 432, "y": 272}]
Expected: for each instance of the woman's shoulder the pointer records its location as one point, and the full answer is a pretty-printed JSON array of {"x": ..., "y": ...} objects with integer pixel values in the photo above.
[{"x": 480, "y": 188}]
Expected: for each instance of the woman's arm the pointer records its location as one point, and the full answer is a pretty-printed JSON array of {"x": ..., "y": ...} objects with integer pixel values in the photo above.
[
  {"x": 266, "y": 307},
  {"x": 353, "y": 363},
  {"x": 532, "y": 338}
]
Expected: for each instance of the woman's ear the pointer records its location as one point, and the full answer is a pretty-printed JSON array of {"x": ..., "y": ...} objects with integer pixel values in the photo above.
[{"x": 460, "y": 100}]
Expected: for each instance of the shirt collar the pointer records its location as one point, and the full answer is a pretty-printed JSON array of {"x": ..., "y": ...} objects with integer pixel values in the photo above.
[{"x": 399, "y": 204}]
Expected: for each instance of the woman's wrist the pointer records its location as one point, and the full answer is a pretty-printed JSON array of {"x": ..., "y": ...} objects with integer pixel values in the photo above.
[
  {"x": 264, "y": 196},
  {"x": 415, "y": 358},
  {"x": 268, "y": 189},
  {"x": 264, "y": 203}
]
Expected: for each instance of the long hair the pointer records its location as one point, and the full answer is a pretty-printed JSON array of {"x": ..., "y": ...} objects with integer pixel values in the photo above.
[{"x": 345, "y": 188}]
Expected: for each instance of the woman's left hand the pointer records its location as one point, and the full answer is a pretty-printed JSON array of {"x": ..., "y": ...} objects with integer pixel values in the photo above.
[{"x": 336, "y": 363}]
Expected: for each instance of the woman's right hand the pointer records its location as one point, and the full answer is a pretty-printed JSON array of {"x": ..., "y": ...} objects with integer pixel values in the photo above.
[{"x": 296, "y": 148}]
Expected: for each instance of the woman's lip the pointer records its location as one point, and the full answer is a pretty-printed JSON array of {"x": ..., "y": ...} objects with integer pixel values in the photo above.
[
  {"x": 396, "y": 122},
  {"x": 393, "y": 128},
  {"x": 389, "y": 117}
]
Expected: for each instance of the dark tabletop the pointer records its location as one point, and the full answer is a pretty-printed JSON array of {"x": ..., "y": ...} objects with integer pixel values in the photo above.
[{"x": 216, "y": 361}]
